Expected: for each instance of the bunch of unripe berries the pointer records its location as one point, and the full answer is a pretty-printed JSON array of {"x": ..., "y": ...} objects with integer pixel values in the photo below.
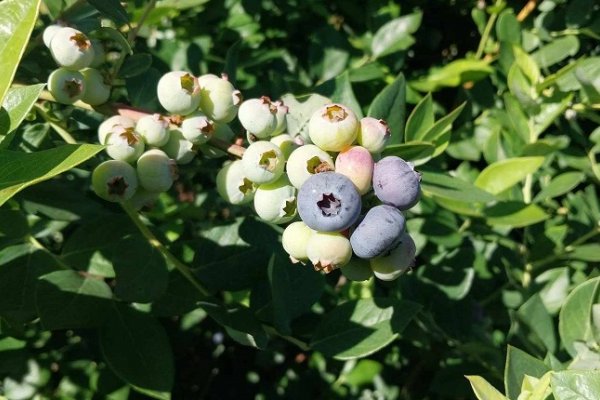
[
  {"x": 324, "y": 178},
  {"x": 145, "y": 152},
  {"x": 78, "y": 57}
]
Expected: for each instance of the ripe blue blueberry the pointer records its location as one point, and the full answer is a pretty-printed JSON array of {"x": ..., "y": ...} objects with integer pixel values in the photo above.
[
  {"x": 396, "y": 182},
  {"x": 378, "y": 232},
  {"x": 328, "y": 202},
  {"x": 393, "y": 264}
]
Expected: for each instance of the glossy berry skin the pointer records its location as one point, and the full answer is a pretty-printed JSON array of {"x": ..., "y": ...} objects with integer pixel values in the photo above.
[
  {"x": 71, "y": 49},
  {"x": 378, "y": 232},
  {"x": 295, "y": 240},
  {"x": 178, "y": 92},
  {"x": 357, "y": 164},
  {"x": 116, "y": 123},
  {"x": 114, "y": 181},
  {"x": 390, "y": 266},
  {"x": 219, "y": 100},
  {"x": 276, "y": 202},
  {"x": 306, "y": 161},
  {"x": 66, "y": 86},
  {"x": 328, "y": 251},
  {"x": 328, "y": 202},
  {"x": 373, "y": 134},
  {"x": 96, "y": 90},
  {"x": 286, "y": 143},
  {"x": 258, "y": 117},
  {"x": 154, "y": 129},
  {"x": 125, "y": 145},
  {"x": 396, "y": 183},
  {"x": 179, "y": 148},
  {"x": 333, "y": 127},
  {"x": 232, "y": 184},
  {"x": 357, "y": 269},
  {"x": 197, "y": 128},
  {"x": 263, "y": 162},
  {"x": 156, "y": 171}
]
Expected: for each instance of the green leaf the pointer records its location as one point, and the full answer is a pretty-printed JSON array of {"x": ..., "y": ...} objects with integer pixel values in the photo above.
[
  {"x": 585, "y": 252},
  {"x": 116, "y": 36},
  {"x": 560, "y": 184},
  {"x": 413, "y": 151},
  {"x": 508, "y": 28},
  {"x": 19, "y": 170},
  {"x": 135, "y": 65},
  {"x": 449, "y": 187},
  {"x": 516, "y": 117},
  {"x": 504, "y": 174},
  {"x": 533, "y": 313},
  {"x": 519, "y": 364},
  {"x": 363, "y": 373},
  {"x": 142, "y": 89},
  {"x": 576, "y": 385},
  {"x": 420, "y": 120},
  {"x": 453, "y": 74},
  {"x": 527, "y": 65},
  {"x": 239, "y": 322},
  {"x": 483, "y": 389},
  {"x": 67, "y": 300},
  {"x": 17, "y": 103},
  {"x": 514, "y": 214},
  {"x": 17, "y": 19},
  {"x": 13, "y": 225},
  {"x": 390, "y": 105},
  {"x": 112, "y": 9},
  {"x": 395, "y": 35},
  {"x": 361, "y": 327},
  {"x": 339, "y": 90},
  {"x": 556, "y": 51},
  {"x": 136, "y": 347},
  {"x": 441, "y": 125},
  {"x": 575, "y": 318},
  {"x": 294, "y": 290}
]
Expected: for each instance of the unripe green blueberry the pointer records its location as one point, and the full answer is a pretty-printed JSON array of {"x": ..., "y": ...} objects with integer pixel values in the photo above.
[
  {"x": 328, "y": 250},
  {"x": 124, "y": 145},
  {"x": 282, "y": 111},
  {"x": 66, "y": 86},
  {"x": 258, "y": 116},
  {"x": 156, "y": 171},
  {"x": 333, "y": 127},
  {"x": 99, "y": 53},
  {"x": 286, "y": 144},
  {"x": 306, "y": 161},
  {"x": 357, "y": 164},
  {"x": 49, "y": 33},
  {"x": 178, "y": 92},
  {"x": 154, "y": 129},
  {"x": 197, "y": 128},
  {"x": 295, "y": 240},
  {"x": 114, "y": 180},
  {"x": 219, "y": 100},
  {"x": 263, "y": 162},
  {"x": 179, "y": 148},
  {"x": 357, "y": 269},
  {"x": 373, "y": 134},
  {"x": 232, "y": 184},
  {"x": 390, "y": 266},
  {"x": 116, "y": 123},
  {"x": 71, "y": 49},
  {"x": 96, "y": 90},
  {"x": 222, "y": 132},
  {"x": 276, "y": 201},
  {"x": 142, "y": 198}
]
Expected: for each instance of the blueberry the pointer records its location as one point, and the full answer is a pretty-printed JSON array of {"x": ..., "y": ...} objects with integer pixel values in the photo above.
[
  {"x": 97, "y": 91},
  {"x": 258, "y": 117},
  {"x": 154, "y": 129},
  {"x": 333, "y": 127},
  {"x": 178, "y": 92},
  {"x": 357, "y": 164},
  {"x": 395, "y": 182},
  {"x": 393, "y": 264},
  {"x": 378, "y": 232},
  {"x": 114, "y": 180},
  {"x": 328, "y": 251},
  {"x": 263, "y": 162},
  {"x": 218, "y": 98},
  {"x": 179, "y": 148},
  {"x": 156, "y": 171},
  {"x": 114, "y": 124},
  {"x": 305, "y": 161},
  {"x": 295, "y": 240},
  {"x": 232, "y": 184},
  {"x": 373, "y": 134},
  {"x": 66, "y": 86},
  {"x": 124, "y": 145},
  {"x": 276, "y": 201},
  {"x": 328, "y": 202},
  {"x": 71, "y": 49}
]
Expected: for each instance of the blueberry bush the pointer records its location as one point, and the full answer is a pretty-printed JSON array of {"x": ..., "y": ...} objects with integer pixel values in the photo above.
[{"x": 299, "y": 199}]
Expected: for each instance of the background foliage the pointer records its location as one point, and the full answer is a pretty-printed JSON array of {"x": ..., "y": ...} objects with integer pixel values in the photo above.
[{"x": 496, "y": 104}]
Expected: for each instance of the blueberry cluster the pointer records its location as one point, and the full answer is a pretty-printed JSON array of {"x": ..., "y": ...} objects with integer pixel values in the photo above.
[
  {"x": 78, "y": 57},
  {"x": 325, "y": 183},
  {"x": 145, "y": 153}
]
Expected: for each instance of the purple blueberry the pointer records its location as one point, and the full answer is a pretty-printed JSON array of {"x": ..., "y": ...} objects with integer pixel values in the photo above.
[
  {"x": 378, "y": 232},
  {"x": 396, "y": 182},
  {"x": 328, "y": 202}
]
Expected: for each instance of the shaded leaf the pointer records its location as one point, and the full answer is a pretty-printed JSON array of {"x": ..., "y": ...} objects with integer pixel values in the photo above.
[{"x": 390, "y": 105}]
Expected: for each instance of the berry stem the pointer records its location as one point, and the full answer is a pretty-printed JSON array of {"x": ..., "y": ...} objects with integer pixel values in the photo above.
[
  {"x": 157, "y": 244},
  {"x": 62, "y": 132}
]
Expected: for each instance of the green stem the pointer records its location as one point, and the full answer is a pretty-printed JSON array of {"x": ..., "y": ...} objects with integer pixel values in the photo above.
[
  {"x": 487, "y": 32},
  {"x": 569, "y": 248},
  {"x": 62, "y": 132},
  {"x": 302, "y": 345},
  {"x": 134, "y": 32},
  {"x": 35, "y": 243},
  {"x": 154, "y": 242}
]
